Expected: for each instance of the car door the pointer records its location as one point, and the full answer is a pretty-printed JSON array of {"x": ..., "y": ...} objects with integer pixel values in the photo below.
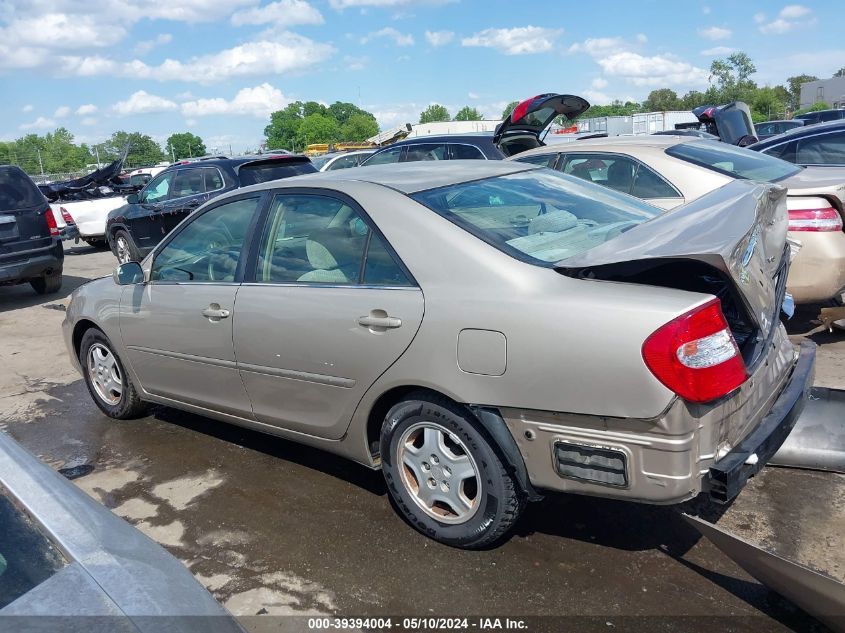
[
  {"x": 327, "y": 309},
  {"x": 144, "y": 218},
  {"x": 177, "y": 327}
]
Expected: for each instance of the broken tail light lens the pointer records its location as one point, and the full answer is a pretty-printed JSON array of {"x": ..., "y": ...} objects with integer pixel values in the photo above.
[
  {"x": 817, "y": 220},
  {"x": 67, "y": 217},
  {"x": 695, "y": 355},
  {"x": 51, "y": 222}
]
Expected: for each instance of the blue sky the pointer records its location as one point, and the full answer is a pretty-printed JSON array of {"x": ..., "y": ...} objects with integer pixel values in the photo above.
[{"x": 218, "y": 67}]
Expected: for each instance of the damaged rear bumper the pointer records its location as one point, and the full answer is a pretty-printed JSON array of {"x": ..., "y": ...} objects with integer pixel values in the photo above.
[{"x": 728, "y": 476}]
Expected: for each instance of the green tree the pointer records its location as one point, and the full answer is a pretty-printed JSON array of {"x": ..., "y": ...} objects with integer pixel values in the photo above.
[
  {"x": 433, "y": 113},
  {"x": 184, "y": 145},
  {"x": 662, "y": 99},
  {"x": 769, "y": 103},
  {"x": 820, "y": 105},
  {"x": 508, "y": 109},
  {"x": 840, "y": 72},
  {"x": 794, "y": 86},
  {"x": 318, "y": 128},
  {"x": 341, "y": 111},
  {"x": 142, "y": 149},
  {"x": 732, "y": 77},
  {"x": 468, "y": 114},
  {"x": 282, "y": 131},
  {"x": 358, "y": 127}
]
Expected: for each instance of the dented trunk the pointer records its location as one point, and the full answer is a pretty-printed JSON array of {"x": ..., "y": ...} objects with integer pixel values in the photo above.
[{"x": 730, "y": 243}]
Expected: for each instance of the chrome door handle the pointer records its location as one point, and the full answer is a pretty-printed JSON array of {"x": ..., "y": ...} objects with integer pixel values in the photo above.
[
  {"x": 380, "y": 322},
  {"x": 214, "y": 312}
]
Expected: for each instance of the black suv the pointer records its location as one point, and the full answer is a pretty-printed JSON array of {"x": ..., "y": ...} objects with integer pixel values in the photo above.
[
  {"x": 134, "y": 229},
  {"x": 30, "y": 242}
]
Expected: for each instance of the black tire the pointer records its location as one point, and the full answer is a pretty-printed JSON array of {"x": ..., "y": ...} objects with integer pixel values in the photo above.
[
  {"x": 48, "y": 284},
  {"x": 498, "y": 497},
  {"x": 130, "y": 404},
  {"x": 134, "y": 253}
]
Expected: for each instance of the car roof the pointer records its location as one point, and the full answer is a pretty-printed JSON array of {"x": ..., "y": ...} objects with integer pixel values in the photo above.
[
  {"x": 780, "y": 121},
  {"x": 234, "y": 162},
  {"x": 407, "y": 178},
  {"x": 657, "y": 141},
  {"x": 801, "y": 130},
  {"x": 444, "y": 138}
]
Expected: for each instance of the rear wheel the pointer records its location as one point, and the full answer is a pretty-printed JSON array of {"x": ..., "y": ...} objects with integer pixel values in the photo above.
[
  {"x": 106, "y": 379},
  {"x": 445, "y": 476},
  {"x": 125, "y": 249},
  {"x": 48, "y": 284}
]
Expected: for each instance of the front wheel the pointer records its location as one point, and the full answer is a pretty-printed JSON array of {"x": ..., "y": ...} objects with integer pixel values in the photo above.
[
  {"x": 125, "y": 248},
  {"x": 107, "y": 381},
  {"x": 445, "y": 476}
]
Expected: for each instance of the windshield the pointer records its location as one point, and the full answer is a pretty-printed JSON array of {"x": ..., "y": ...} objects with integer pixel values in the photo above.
[
  {"x": 17, "y": 191},
  {"x": 733, "y": 161},
  {"x": 540, "y": 216},
  {"x": 27, "y": 558}
]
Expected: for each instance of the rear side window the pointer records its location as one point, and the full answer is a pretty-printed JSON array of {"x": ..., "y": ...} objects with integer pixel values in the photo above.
[
  {"x": 265, "y": 171},
  {"x": 736, "y": 162},
  {"x": 544, "y": 160},
  {"x": 188, "y": 182},
  {"x": 27, "y": 558},
  {"x": 344, "y": 162},
  {"x": 460, "y": 151},
  {"x": 425, "y": 151},
  {"x": 17, "y": 191}
]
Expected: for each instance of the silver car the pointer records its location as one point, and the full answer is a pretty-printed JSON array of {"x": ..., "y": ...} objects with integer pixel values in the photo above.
[{"x": 480, "y": 331}]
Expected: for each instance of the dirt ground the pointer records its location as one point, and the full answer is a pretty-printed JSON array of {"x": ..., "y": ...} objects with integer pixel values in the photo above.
[{"x": 273, "y": 527}]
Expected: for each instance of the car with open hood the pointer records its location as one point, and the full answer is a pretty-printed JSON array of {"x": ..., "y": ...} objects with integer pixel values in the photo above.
[
  {"x": 480, "y": 331},
  {"x": 668, "y": 171},
  {"x": 731, "y": 123},
  {"x": 521, "y": 130}
]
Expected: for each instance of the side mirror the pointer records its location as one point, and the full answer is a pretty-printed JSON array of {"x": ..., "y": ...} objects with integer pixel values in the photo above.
[
  {"x": 132, "y": 198},
  {"x": 128, "y": 274}
]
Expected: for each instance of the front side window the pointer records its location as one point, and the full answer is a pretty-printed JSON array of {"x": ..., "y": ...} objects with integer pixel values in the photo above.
[
  {"x": 158, "y": 189},
  {"x": 460, "y": 151},
  {"x": 736, "y": 162},
  {"x": 344, "y": 162},
  {"x": 321, "y": 239},
  {"x": 209, "y": 247},
  {"x": 391, "y": 155},
  {"x": 139, "y": 180},
  {"x": 540, "y": 215},
  {"x": 188, "y": 182},
  {"x": 425, "y": 151},
  {"x": 823, "y": 149}
]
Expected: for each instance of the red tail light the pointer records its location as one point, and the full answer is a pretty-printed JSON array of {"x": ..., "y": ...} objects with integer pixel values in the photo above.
[
  {"x": 66, "y": 216},
  {"x": 51, "y": 222},
  {"x": 827, "y": 219},
  {"x": 695, "y": 355}
]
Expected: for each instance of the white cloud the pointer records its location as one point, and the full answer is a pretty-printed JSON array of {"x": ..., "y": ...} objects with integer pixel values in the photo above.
[
  {"x": 88, "y": 108},
  {"x": 598, "y": 83},
  {"x": 61, "y": 112},
  {"x": 355, "y": 63},
  {"x": 521, "y": 40},
  {"x": 27, "y": 108},
  {"x": 794, "y": 11},
  {"x": 142, "y": 102},
  {"x": 87, "y": 66},
  {"x": 347, "y": 4},
  {"x": 41, "y": 123},
  {"x": 715, "y": 33},
  {"x": 596, "y": 97},
  {"x": 439, "y": 38},
  {"x": 657, "y": 70},
  {"x": 259, "y": 101},
  {"x": 717, "y": 51},
  {"x": 472, "y": 95},
  {"x": 59, "y": 31},
  {"x": 400, "y": 39},
  {"x": 789, "y": 18},
  {"x": 283, "y": 13},
  {"x": 146, "y": 46},
  {"x": 599, "y": 46}
]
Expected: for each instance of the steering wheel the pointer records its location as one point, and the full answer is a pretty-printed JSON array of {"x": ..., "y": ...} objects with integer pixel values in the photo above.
[{"x": 222, "y": 264}]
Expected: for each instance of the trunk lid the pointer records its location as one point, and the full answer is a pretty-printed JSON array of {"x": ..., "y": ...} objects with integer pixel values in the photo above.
[
  {"x": 826, "y": 182},
  {"x": 732, "y": 122},
  {"x": 739, "y": 230},
  {"x": 23, "y": 225},
  {"x": 535, "y": 114}
]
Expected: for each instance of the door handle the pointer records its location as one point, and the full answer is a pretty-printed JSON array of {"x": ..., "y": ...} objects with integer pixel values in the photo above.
[
  {"x": 379, "y": 322},
  {"x": 214, "y": 312}
]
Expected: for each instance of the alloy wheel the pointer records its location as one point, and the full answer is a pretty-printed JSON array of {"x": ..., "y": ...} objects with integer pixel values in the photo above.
[
  {"x": 123, "y": 252},
  {"x": 105, "y": 374}
]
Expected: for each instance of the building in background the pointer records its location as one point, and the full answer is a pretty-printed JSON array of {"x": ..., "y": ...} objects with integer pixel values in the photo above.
[{"x": 830, "y": 91}]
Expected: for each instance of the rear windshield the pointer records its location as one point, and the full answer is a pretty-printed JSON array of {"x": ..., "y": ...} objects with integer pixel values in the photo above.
[
  {"x": 17, "y": 191},
  {"x": 27, "y": 558},
  {"x": 736, "y": 162},
  {"x": 539, "y": 216},
  {"x": 254, "y": 173}
]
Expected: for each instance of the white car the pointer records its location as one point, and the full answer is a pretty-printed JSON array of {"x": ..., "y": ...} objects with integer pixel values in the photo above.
[{"x": 341, "y": 160}]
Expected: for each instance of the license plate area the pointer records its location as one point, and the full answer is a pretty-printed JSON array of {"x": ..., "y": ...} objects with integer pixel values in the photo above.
[{"x": 8, "y": 228}]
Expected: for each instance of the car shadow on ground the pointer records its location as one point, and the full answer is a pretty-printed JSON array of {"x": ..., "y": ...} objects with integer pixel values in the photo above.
[{"x": 23, "y": 296}]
